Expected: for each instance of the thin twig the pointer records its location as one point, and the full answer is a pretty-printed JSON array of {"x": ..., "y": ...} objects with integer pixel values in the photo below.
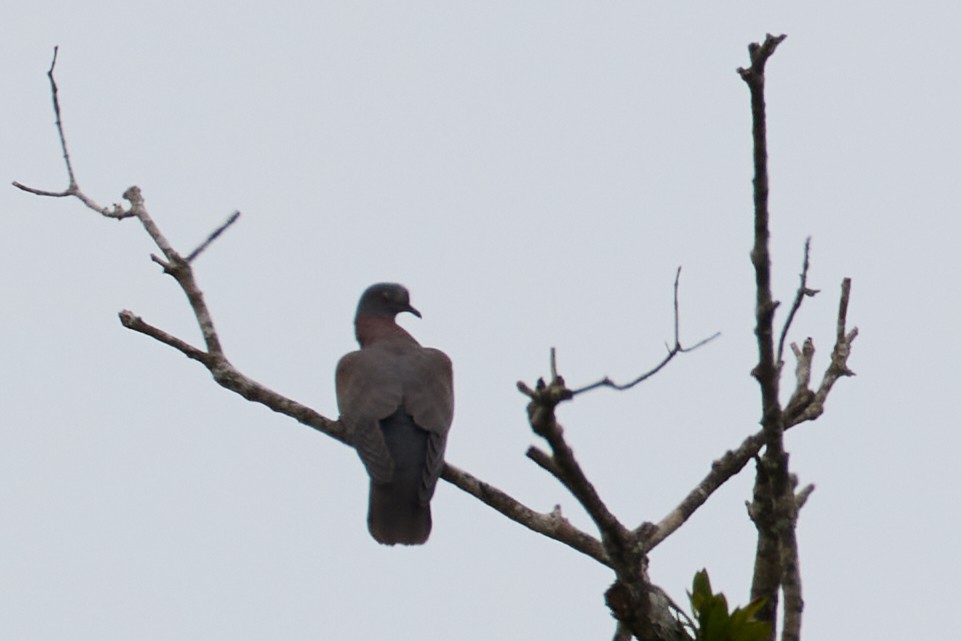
[
  {"x": 607, "y": 382},
  {"x": 54, "y": 91},
  {"x": 212, "y": 237},
  {"x": 677, "y": 278},
  {"x": 42, "y": 192},
  {"x": 672, "y": 352},
  {"x": 803, "y": 291},
  {"x": 72, "y": 188}
]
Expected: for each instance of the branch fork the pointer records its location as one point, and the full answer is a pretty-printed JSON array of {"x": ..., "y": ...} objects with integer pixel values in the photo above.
[
  {"x": 642, "y": 609},
  {"x": 213, "y": 357}
]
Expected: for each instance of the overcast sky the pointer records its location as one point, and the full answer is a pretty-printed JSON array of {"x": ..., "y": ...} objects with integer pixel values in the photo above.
[{"x": 534, "y": 172}]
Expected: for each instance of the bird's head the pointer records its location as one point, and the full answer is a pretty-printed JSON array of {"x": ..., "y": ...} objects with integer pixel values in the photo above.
[{"x": 385, "y": 300}]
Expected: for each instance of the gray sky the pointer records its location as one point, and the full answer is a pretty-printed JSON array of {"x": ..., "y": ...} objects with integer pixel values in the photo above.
[{"x": 534, "y": 173}]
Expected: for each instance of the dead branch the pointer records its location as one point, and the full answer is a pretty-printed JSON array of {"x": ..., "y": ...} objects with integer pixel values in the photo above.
[
  {"x": 541, "y": 415},
  {"x": 641, "y": 608},
  {"x": 806, "y": 405},
  {"x": 213, "y": 236},
  {"x": 773, "y": 504},
  {"x": 673, "y": 351},
  {"x": 552, "y": 525},
  {"x": 800, "y": 294},
  {"x": 722, "y": 469},
  {"x": 72, "y": 189}
]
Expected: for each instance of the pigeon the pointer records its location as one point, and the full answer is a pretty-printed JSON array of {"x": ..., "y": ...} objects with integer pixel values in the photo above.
[{"x": 397, "y": 398}]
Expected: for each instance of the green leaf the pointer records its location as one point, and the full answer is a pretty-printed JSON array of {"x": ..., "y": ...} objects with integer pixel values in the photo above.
[
  {"x": 716, "y": 625},
  {"x": 700, "y": 595},
  {"x": 750, "y": 610},
  {"x": 745, "y": 627},
  {"x": 751, "y": 631},
  {"x": 714, "y": 621},
  {"x": 701, "y": 585}
]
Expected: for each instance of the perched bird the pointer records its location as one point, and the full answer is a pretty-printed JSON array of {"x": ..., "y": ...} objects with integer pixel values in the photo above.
[{"x": 398, "y": 399}]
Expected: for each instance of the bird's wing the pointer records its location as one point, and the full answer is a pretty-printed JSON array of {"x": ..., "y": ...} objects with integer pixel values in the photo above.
[
  {"x": 428, "y": 384},
  {"x": 433, "y": 465},
  {"x": 368, "y": 390},
  {"x": 429, "y": 399}
]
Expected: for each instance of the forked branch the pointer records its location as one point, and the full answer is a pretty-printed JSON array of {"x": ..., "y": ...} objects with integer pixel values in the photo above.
[
  {"x": 642, "y": 609},
  {"x": 212, "y": 356},
  {"x": 673, "y": 351}
]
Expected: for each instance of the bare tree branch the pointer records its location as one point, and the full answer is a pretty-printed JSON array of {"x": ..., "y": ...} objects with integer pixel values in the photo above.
[
  {"x": 56, "y": 110},
  {"x": 773, "y": 504},
  {"x": 541, "y": 415},
  {"x": 730, "y": 464},
  {"x": 802, "y": 396},
  {"x": 805, "y": 404},
  {"x": 803, "y": 291},
  {"x": 767, "y": 573},
  {"x": 72, "y": 188},
  {"x": 227, "y": 376},
  {"x": 787, "y": 506},
  {"x": 765, "y": 372},
  {"x": 213, "y": 236},
  {"x": 552, "y": 525},
  {"x": 545, "y": 462},
  {"x": 673, "y": 351},
  {"x": 131, "y": 321},
  {"x": 642, "y": 609}
]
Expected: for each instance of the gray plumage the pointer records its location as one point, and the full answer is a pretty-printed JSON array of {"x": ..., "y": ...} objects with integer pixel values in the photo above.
[{"x": 397, "y": 397}]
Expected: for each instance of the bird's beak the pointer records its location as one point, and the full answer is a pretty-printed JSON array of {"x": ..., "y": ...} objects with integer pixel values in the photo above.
[{"x": 413, "y": 311}]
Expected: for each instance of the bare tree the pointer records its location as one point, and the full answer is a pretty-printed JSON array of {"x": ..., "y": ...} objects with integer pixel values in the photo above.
[{"x": 642, "y": 609}]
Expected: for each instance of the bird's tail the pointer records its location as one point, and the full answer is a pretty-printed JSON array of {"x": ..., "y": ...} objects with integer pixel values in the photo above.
[
  {"x": 395, "y": 515},
  {"x": 397, "y": 511}
]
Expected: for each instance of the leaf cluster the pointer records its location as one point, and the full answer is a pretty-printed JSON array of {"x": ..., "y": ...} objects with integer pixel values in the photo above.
[{"x": 716, "y": 623}]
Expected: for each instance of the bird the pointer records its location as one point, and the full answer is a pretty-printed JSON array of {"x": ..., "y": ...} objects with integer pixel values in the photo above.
[{"x": 397, "y": 399}]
